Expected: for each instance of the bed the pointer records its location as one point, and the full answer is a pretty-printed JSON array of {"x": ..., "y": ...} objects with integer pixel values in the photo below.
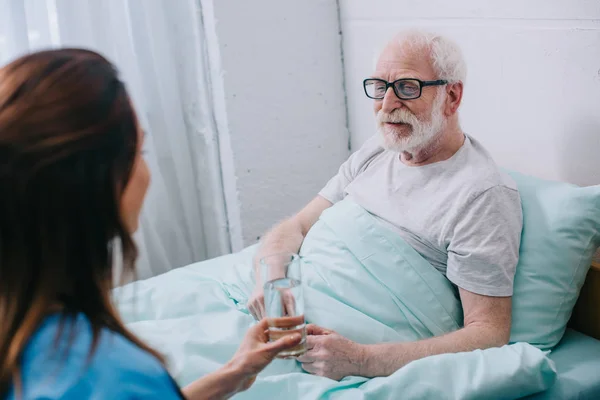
[
  {"x": 577, "y": 356},
  {"x": 175, "y": 320},
  {"x": 177, "y": 313},
  {"x": 196, "y": 315},
  {"x": 577, "y": 360}
]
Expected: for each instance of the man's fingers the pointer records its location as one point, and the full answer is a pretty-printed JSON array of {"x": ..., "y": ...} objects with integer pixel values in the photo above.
[
  {"x": 307, "y": 357},
  {"x": 311, "y": 342},
  {"x": 289, "y": 304},
  {"x": 309, "y": 367},
  {"x": 259, "y": 305},
  {"x": 312, "y": 329},
  {"x": 256, "y": 309}
]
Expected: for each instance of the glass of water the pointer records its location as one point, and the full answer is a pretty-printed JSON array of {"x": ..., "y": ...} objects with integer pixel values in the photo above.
[{"x": 284, "y": 302}]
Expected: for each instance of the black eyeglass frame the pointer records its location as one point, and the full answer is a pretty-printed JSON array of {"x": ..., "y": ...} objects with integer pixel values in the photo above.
[{"x": 422, "y": 84}]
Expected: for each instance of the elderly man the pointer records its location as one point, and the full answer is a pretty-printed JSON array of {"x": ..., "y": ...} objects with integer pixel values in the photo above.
[{"x": 438, "y": 188}]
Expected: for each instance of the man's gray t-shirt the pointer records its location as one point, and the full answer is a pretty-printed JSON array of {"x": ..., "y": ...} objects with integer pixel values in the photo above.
[{"x": 463, "y": 214}]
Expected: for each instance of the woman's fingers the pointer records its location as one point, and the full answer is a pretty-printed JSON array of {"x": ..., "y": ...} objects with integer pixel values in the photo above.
[
  {"x": 261, "y": 327},
  {"x": 286, "y": 342}
]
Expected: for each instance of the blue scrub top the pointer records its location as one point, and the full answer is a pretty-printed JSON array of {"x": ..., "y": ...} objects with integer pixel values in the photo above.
[{"x": 117, "y": 370}]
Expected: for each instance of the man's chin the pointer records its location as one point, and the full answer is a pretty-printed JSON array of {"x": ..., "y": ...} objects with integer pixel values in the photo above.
[{"x": 394, "y": 142}]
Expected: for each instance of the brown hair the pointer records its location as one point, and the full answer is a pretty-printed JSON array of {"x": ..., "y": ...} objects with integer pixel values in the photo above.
[{"x": 68, "y": 141}]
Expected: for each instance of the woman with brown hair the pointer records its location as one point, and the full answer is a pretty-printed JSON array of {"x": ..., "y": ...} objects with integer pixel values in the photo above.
[{"x": 72, "y": 183}]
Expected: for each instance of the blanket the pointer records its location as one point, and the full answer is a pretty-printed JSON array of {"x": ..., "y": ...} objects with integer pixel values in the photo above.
[{"x": 361, "y": 280}]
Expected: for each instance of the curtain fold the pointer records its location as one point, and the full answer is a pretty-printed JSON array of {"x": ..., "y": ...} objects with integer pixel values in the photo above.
[{"x": 159, "y": 48}]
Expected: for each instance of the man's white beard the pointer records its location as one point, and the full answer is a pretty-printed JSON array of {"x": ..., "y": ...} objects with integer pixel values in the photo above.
[{"x": 422, "y": 134}]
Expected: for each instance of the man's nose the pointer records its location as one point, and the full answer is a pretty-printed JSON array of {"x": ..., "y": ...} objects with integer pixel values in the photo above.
[{"x": 390, "y": 101}]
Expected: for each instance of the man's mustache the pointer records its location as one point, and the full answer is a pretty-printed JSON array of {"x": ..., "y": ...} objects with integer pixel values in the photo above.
[{"x": 395, "y": 118}]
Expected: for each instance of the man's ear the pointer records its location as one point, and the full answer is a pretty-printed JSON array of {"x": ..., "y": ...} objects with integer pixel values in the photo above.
[{"x": 454, "y": 93}]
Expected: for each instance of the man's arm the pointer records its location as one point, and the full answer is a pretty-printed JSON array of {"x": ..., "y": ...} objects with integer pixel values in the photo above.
[
  {"x": 287, "y": 236},
  {"x": 487, "y": 324},
  {"x": 482, "y": 257}
]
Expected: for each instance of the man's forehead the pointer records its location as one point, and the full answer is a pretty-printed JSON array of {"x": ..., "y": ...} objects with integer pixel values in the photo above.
[{"x": 391, "y": 63}]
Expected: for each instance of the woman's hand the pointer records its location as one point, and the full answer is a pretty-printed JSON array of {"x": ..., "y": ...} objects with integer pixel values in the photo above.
[
  {"x": 256, "y": 352},
  {"x": 253, "y": 355}
]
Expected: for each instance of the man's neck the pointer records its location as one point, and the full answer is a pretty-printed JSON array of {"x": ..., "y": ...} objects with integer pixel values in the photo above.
[{"x": 441, "y": 148}]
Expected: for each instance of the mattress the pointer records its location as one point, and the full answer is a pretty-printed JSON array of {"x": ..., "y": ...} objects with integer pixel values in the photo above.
[{"x": 577, "y": 359}]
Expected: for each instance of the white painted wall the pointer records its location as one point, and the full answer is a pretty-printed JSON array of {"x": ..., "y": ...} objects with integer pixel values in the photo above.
[
  {"x": 284, "y": 133},
  {"x": 533, "y": 89}
]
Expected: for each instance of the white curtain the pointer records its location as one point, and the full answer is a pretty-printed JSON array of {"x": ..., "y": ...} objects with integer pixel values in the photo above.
[{"x": 159, "y": 48}]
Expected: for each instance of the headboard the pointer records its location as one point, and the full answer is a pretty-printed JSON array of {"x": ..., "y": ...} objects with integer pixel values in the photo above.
[{"x": 586, "y": 314}]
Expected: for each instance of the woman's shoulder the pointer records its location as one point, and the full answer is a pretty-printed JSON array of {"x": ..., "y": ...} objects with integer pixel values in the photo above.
[{"x": 60, "y": 365}]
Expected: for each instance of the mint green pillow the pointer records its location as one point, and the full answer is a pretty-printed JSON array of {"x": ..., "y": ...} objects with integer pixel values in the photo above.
[{"x": 561, "y": 231}]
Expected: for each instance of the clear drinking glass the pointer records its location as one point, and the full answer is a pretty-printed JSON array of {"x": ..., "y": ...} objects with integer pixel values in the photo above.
[{"x": 284, "y": 301}]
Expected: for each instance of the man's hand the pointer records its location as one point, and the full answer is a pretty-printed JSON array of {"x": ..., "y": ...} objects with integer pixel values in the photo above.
[
  {"x": 487, "y": 322},
  {"x": 256, "y": 303},
  {"x": 286, "y": 237},
  {"x": 330, "y": 354}
]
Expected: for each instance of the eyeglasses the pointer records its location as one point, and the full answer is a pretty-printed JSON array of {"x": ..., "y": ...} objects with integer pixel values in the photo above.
[{"x": 405, "y": 89}]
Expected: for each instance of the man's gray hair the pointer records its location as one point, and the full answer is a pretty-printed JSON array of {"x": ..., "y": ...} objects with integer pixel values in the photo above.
[{"x": 446, "y": 57}]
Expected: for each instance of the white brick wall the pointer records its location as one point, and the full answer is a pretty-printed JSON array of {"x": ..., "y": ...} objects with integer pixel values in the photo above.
[
  {"x": 533, "y": 89},
  {"x": 284, "y": 99}
]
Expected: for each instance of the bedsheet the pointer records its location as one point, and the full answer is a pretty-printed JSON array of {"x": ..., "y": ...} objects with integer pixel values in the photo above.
[
  {"x": 360, "y": 280},
  {"x": 577, "y": 359}
]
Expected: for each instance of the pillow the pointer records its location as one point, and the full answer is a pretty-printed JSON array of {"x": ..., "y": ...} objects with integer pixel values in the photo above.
[{"x": 561, "y": 232}]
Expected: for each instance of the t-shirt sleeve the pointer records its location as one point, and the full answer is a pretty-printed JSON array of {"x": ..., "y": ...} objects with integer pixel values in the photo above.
[
  {"x": 143, "y": 385},
  {"x": 484, "y": 248},
  {"x": 335, "y": 189},
  {"x": 101, "y": 383},
  {"x": 117, "y": 370}
]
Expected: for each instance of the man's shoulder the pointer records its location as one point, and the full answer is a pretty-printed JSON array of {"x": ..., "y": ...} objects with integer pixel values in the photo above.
[{"x": 483, "y": 173}]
